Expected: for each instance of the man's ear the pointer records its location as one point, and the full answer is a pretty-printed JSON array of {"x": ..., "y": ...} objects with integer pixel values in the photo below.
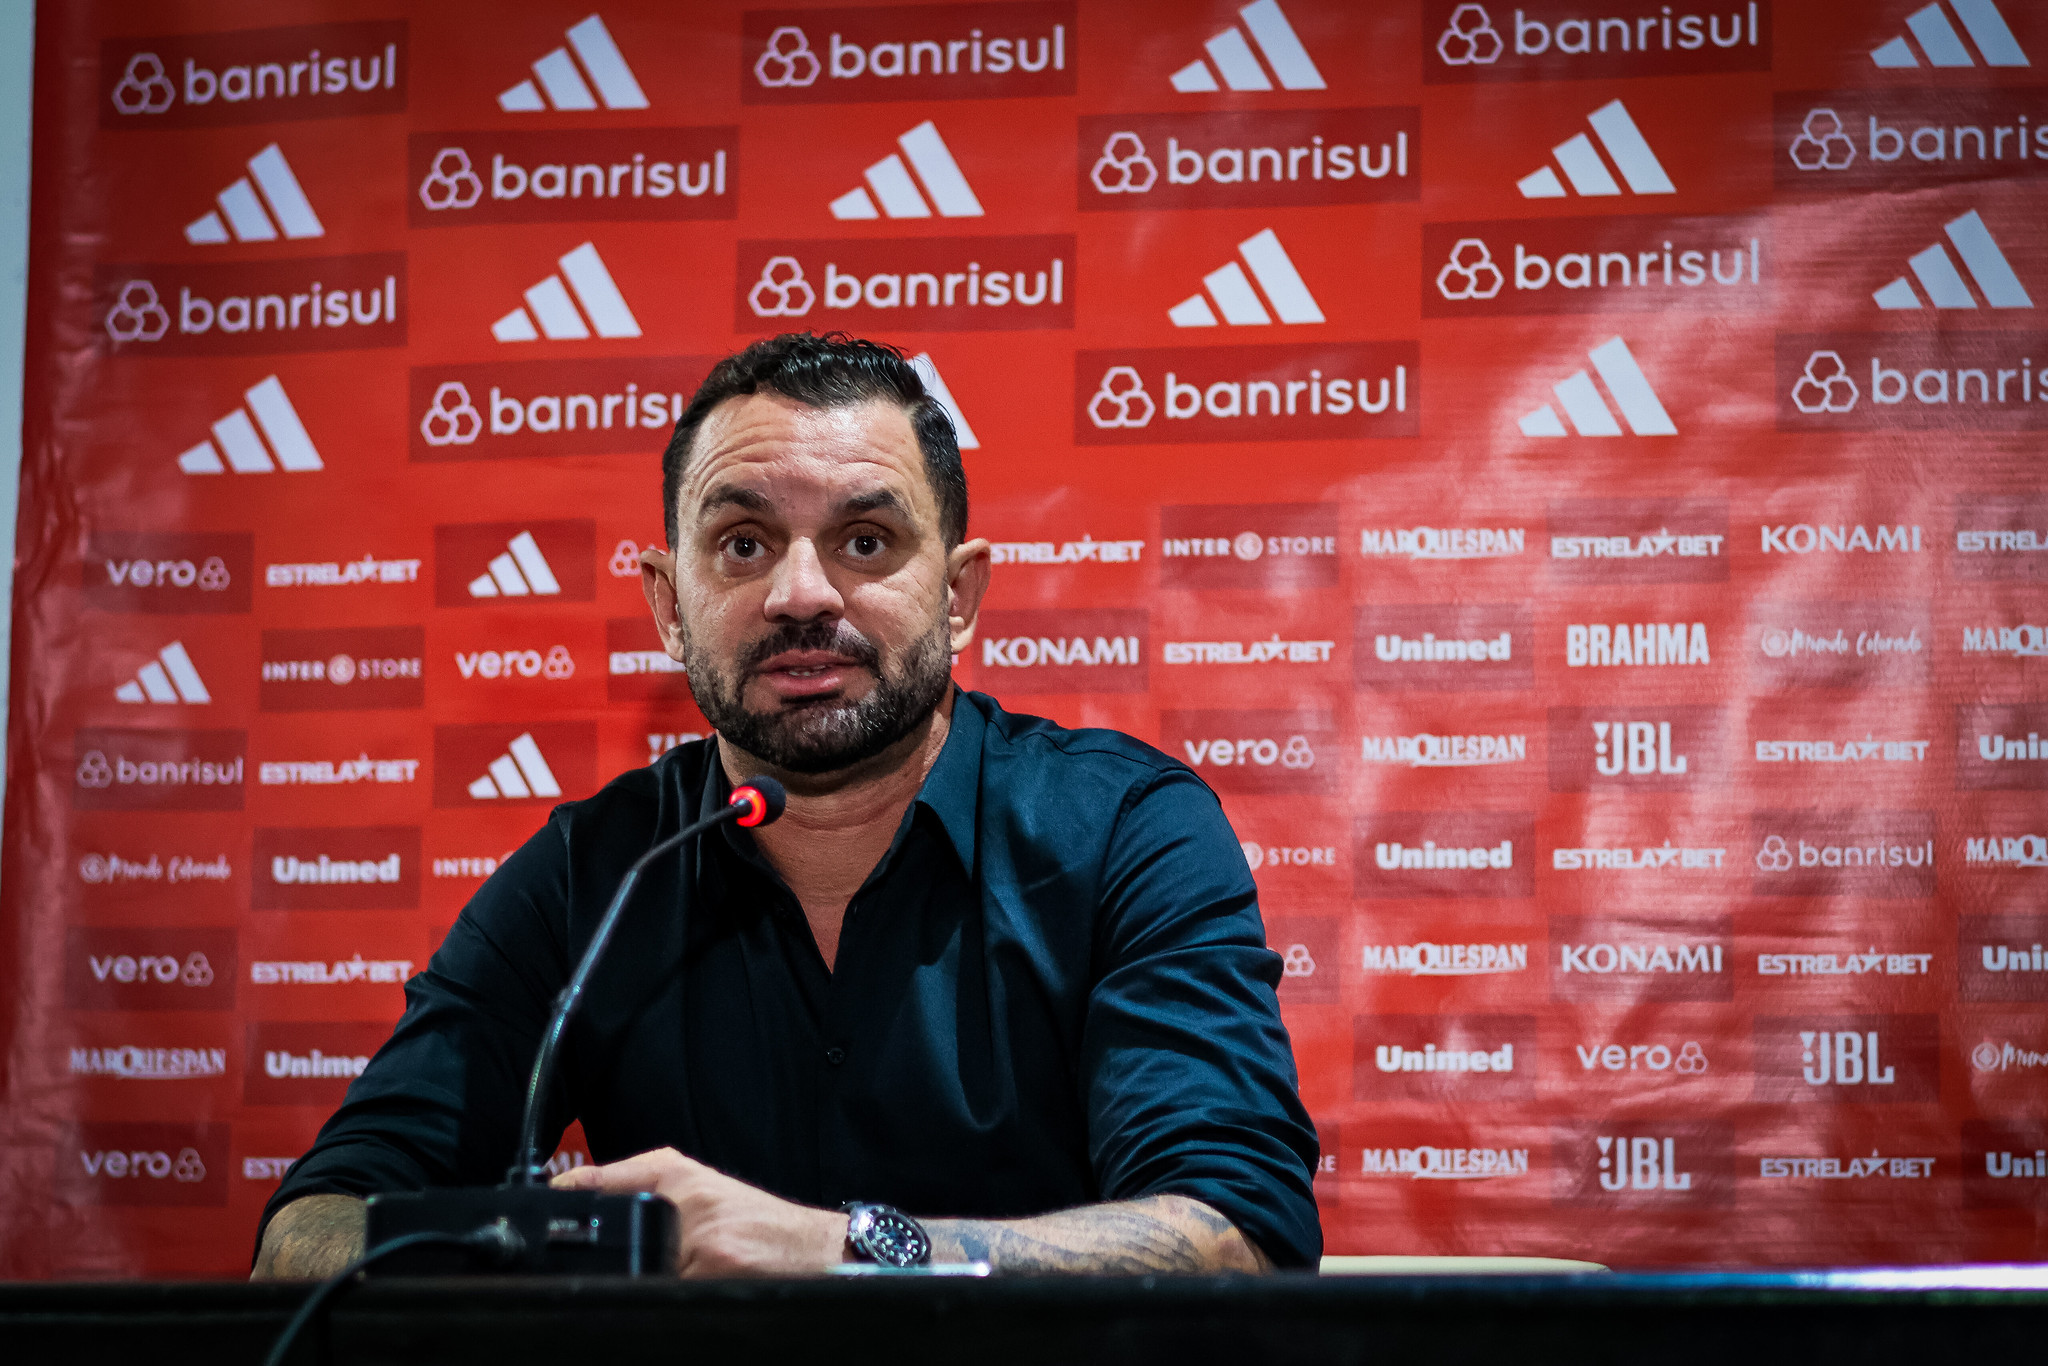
[
  {"x": 968, "y": 566},
  {"x": 658, "y": 585}
]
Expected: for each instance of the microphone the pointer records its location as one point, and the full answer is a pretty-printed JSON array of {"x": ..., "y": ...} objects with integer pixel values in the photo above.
[{"x": 548, "y": 1230}]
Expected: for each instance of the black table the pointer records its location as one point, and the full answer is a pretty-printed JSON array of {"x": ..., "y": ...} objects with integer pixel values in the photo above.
[{"x": 1985, "y": 1316}]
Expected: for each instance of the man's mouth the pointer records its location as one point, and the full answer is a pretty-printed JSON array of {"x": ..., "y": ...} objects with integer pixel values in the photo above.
[{"x": 799, "y": 674}]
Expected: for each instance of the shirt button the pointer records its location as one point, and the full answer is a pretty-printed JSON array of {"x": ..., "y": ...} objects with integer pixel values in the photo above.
[{"x": 835, "y": 1055}]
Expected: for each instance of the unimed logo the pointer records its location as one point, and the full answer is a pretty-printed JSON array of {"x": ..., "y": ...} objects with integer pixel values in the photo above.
[
  {"x": 1912, "y": 381},
  {"x": 920, "y": 284},
  {"x": 908, "y": 52},
  {"x": 2002, "y": 958},
  {"x": 1249, "y": 159},
  {"x": 158, "y": 770},
  {"x": 1872, "y": 853},
  {"x": 1271, "y": 546},
  {"x": 1399, "y": 854},
  {"x": 637, "y": 669},
  {"x": 185, "y": 573},
  {"x": 1600, "y": 39},
  {"x": 143, "y": 1164},
  {"x": 1444, "y": 1057},
  {"x": 1083, "y": 650},
  {"x": 507, "y": 762},
  {"x": 261, "y": 75},
  {"x": 345, "y": 668},
  {"x": 1840, "y": 644},
  {"x": 1323, "y": 391},
  {"x": 306, "y": 1063},
  {"x": 1255, "y": 751},
  {"x": 1881, "y": 1059},
  {"x": 469, "y": 556},
  {"x": 1635, "y": 748},
  {"x": 2004, "y": 1164},
  {"x": 2002, "y": 747},
  {"x": 1592, "y": 265},
  {"x": 582, "y": 176},
  {"x": 1635, "y": 1161},
  {"x": 517, "y": 409},
  {"x": 149, "y": 968},
  {"x": 1444, "y": 647},
  {"x": 247, "y": 308},
  {"x": 1644, "y": 540},
  {"x": 335, "y": 868},
  {"x": 1637, "y": 957}
]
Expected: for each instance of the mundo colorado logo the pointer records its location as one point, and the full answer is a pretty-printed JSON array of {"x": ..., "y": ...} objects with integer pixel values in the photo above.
[
  {"x": 1840, "y": 644},
  {"x": 263, "y": 75},
  {"x": 908, "y": 52}
]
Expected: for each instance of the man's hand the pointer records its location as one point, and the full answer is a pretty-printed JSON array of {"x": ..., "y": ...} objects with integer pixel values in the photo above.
[
  {"x": 729, "y": 1227},
  {"x": 311, "y": 1238}
]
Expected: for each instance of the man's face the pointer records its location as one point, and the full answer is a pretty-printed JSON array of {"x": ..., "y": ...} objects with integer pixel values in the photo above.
[{"x": 810, "y": 593}]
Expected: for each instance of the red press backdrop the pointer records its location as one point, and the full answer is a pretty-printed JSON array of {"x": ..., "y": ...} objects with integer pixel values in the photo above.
[{"x": 1566, "y": 474}]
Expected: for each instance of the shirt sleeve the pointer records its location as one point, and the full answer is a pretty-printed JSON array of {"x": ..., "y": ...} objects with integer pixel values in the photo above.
[
  {"x": 1191, "y": 1086},
  {"x": 439, "y": 1103}
]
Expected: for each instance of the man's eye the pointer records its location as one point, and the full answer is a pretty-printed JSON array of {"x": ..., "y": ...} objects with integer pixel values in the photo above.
[
  {"x": 743, "y": 547},
  {"x": 866, "y": 546}
]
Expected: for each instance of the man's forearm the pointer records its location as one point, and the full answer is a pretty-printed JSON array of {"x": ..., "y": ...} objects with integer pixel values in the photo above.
[
  {"x": 1159, "y": 1233},
  {"x": 312, "y": 1237}
]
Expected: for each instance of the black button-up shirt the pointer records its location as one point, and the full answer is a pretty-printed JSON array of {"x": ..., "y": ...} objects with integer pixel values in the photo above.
[{"x": 1054, "y": 989}]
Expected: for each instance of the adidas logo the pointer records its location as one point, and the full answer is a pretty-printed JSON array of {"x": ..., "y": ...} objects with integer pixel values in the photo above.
[
  {"x": 1241, "y": 70},
  {"x": 522, "y": 571},
  {"x": 890, "y": 180},
  {"x": 521, "y": 771},
  {"x": 1590, "y": 415},
  {"x": 169, "y": 678},
  {"x": 935, "y": 385},
  {"x": 559, "y": 321},
  {"x": 1588, "y": 174},
  {"x": 1937, "y": 273},
  {"x": 1234, "y": 294},
  {"x": 245, "y": 219},
  {"x": 565, "y": 85},
  {"x": 1944, "y": 46},
  {"x": 235, "y": 435}
]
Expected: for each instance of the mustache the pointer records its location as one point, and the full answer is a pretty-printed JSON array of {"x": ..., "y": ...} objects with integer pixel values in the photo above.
[{"x": 836, "y": 637}]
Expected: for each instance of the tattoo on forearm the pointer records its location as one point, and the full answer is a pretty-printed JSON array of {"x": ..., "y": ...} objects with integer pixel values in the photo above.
[
  {"x": 1169, "y": 1233},
  {"x": 312, "y": 1237}
]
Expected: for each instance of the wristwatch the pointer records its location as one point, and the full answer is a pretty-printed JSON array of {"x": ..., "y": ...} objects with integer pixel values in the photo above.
[{"x": 886, "y": 1236}]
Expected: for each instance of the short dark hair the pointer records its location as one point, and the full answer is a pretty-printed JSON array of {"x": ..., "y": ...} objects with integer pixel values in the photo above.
[{"x": 831, "y": 370}]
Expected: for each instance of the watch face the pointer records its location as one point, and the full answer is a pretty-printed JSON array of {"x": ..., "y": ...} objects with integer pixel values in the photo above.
[{"x": 894, "y": 1240}]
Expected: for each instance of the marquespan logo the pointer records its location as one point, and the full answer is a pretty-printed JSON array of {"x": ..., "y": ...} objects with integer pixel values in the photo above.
[
  {"x": 1231, "y": 56},
  {"x": 549, "y": 303},
  {"x": 897, "y": 193},
  {"x": 1590, "y": 416},
  {"x": 1944, "y": 47},
  {"x": 244, "y": 217},
  {"x": 1240, "y": 304},
  {"x": 1936, "y": 271},
  {"x": 267, "y": 75},
  {"x": 1626, "y": 148},
  {"x": 565, "y": 83}
]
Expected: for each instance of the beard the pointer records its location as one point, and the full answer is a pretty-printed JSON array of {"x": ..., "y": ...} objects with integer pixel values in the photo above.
[{"x": 822, "y": 735}]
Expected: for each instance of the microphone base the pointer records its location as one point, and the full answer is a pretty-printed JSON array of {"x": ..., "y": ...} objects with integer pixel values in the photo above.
[{"x": 560, "y": 1233}]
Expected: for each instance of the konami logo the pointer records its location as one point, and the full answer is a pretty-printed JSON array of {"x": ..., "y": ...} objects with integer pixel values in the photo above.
[
  {"x": 1643, "y": 749},
  {"x": 1590, "y": 265},
  {"x": 262, "y": 75},
  {"x": 1083, "y": 650},
  {"x": 1565, "y": 39},
  {"x": 336, "y": 868},
  {"x": 1634, "y": 1162},
  {"x": 1271, "y": 546},
  {"x": 920, "y": 284},
  {"x": 1444, "y": 647},
  {"x": 2002, "y": 747},
  {"x": 2001, "y": 536},
  {"x": 1840, "y": 644},
  {"x": 1869, "y": 1059},
  {"x": 349, "y": 668},
  {"x": 1335, "y": 391},
  {"x": 589, "y": 175},
  {"x": 158, "y": 770},
  {"x": 247, "y": 308},
  {"x": 1255, "y": 751},
  {"x": 1400, "y": 854},
  {"x": 1249, "y": 160},
  {"x": 302, "y": 1063},
  {"x": 1615, "y": 540},
  {"x": 185, "y": 573},
  {"x": 149, "y": 968},
  {"x": 906, "y": 52},
  {"x": 511, "y": 761},
  {"x": 2003, "y": 1164},
  {"x": 637, "y": 670},
  {"x": 1871, "y": 853},
  {"x": 1642, "y": 958},
  {"x": 1844, "y": 141},
  {"x": 144, "y": 1164},
  {"x": 477, "y": 563},
  {"x": 1444, "y": 1057},
  {"x": 1911, "y": 381}
]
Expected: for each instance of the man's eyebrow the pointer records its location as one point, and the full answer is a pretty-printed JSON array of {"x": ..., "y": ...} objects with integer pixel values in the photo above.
[
  {"x": 876, "y": 500},
  {"x": 732, "y": 495}
]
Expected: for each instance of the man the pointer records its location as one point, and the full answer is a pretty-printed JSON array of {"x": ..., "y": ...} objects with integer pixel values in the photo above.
[{"x": 987, "y": 973}]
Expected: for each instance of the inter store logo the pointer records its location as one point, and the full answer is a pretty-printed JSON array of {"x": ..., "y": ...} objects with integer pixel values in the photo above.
[
  {"x": 1848, "y": 141},
  {"x": 154, "y": 571},
  {"x": 149, "y": 969},
  {"x": 1272, "y": 546},
  {"x": 1249, "y": 159},
  {"x": 1625, "y": 1162},
  {"x": 1323, "y": 391},
  {"x": 1635, "y": 748},
  {"x": 481, "y": 563},
  {"x": 143, "y": 1165},
  {"x": 1870, "y": 853},
  {"x": 1574, "y": 40},
  {"x": 1398, "y": 854},
  {"x": 586, "y": 175},
  {"x": 335, "y": 868},
  {"x": 2002, "y": 958},
  {"x": 264, "y": 75},
  {"x": 1642, "y": 958},
  {"x": 1594, "y": 265},
  {"x": 636, "y": 668},
  {"x": 1444, "y": 1057},
  {"x": 1840, "y": 644},
  {"x": 1255, "y": 752},
  {"x": 915, "y": 284},
  {"x": 306, "y": 1063},
  {"x": 245, "y": 308},
  {"x": 907, "y": 52},
  {"x": 1444, "y": 647},
  {"x": 349, "y": 668},
  {"x": 158, "y": 770},
  {"x": 1083, "y": 650},
  {"x": 2002, "y": 747},
  {"x": 508, "y": 410},
  {"x": 1656, "y": 540},
  {"x": 504, "y": 763},
  {"x": 1870, "y": 1059}
]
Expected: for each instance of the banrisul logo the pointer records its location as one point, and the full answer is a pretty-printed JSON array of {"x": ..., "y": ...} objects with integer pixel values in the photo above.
[
  {"x": 517, "y": 409},
  {"x": 1589, "y": 265},
  {"x": 1936, "y": 39},
  {"x": 598, "y": 75},
  {"x": 1334, "y": 391},
  {"x": 264, "y": 75},
  {"x": 324, "y": 303},
  {"x": 1592, "y": 39},
  {"x": 1229, "y": 61},
  {"x": 1627, "y": 151},
  {"x": 1249, "y": 159},
  {"x": 1626, "y": 384},
  {"x": 896, "y": 193},
  {"x": 1833, "y": 141},
  {"x": 1943, "y": 284},
  {"x": 244, "y": 215},
  {"x": 589, "y": 175},
  {"x": 929, "y": 284},
  {"x": 1280, "y": 286},
  {"x": 908, "y": 52},
  {"x": 1912, "y": 381}
]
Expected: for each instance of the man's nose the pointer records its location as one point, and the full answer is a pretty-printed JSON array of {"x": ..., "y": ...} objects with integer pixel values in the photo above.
[{"x": 800, "y": 589}]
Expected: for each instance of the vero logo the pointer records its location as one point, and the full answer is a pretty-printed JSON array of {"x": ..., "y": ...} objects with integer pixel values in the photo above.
[
  {"x": 1589, "y": 175},
  {"x": 1589, "y": 413},
  {"x": 549, "y": 304},
  {"x": 288, "y": 448},
  {"x": 1938, "y": 38},
  {"x": 490, "y": 562},
  {"x": 1231, "y": 56},
  {"x": 1239, "y": 302},
  {"x": 563, "y": 82},
  {"x": 1936, "y": 271},
  {"x": 896, "y": 191},
  {"x": 244, "y": 217},
  {"x": 507, "y": 762},
  {"x": 169, "y": 679}
]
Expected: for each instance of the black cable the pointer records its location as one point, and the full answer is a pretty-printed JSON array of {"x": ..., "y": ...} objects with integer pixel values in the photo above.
[{"x": 499, "y": 1239}]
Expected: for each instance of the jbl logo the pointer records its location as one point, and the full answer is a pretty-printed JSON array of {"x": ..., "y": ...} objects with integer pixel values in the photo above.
[
  {"x": 1636, "y": 747},
  {"x": 1842, "y": 1058},
  {"x": 1642, "y": 1164}
]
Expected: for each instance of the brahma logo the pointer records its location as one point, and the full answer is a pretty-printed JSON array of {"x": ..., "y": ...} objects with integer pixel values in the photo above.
[
  {"x": 2004, "y": 1165},
  {"x": 263, "y": 75},
  {"x": 183, "y": 1165},
  {"x": 301, "y": 1063},
  {"x": 189, "y": 574},
  {"x": 592, "y": 175},
  {"x": 1871, "y": 853},
  {"x": 1249, "y": 160},
  {"x": 158, "y": 770},
  {"x": 354, "y": 668},
  {"x": 1255, "y": 751},
  {"x": 1400, "y": 854},
  {"x": 1903, "y": 139},
  {"x": 1099, "y": 650},
  {"x": 149, "y": 968},
  {"x": 894, "y": 52},
  {"x": 1270, "y": 546},
  {"x": 503, "y": 762},
  {"x": 249, "y": 308},
  {"x": 1840, "y": 644},
  {"x": 1638, "y": 1162},
  {"x": 1911, "y": 381},
  {"x": 1641, "y": 749},
  {"x": 336, "y": 868},
  {"x": 2001, "y": 536},
  {"x": 2002, "y": 958},
  {"x": 1642, "y": 958},
  {"x": 637, "y": 671},
  {"x": 1335, "y": 391},
  {"x": 924, "y": 284},
  {"x": 1868, "y": 1059},
  {"x": 1444, "y": 1057},
  {"x": 492, "y": 562},
  {"x": 1602, "y": 540},
  {"x": 1590, "y": 265},
  {"x": 1635, "y": 645},
  {"x": 1554, "y": 39},
  {"x": 2002, "y": 747},
  {"x": 1444, "y": 647}
]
